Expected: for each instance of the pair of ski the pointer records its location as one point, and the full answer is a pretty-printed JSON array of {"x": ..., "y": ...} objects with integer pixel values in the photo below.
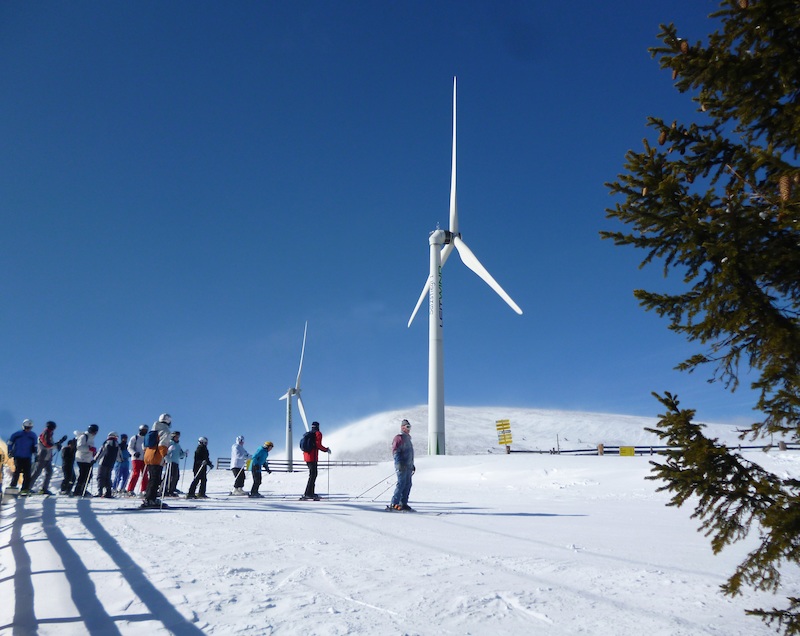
[
  {"x": 163, "y": 506},
  {"x": 401, "y": 510}
]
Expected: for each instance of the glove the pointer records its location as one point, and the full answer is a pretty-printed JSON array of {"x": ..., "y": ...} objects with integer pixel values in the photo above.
[
  {"x": 328, "y": 451},
  {"x": 269, "y": 472},
  {"x": 136, "y": 455},
  {"x": 413, "y": 469},
  {"x": 92, "y": 450},
  {"x": 58, "y": 446},
  {"x": 93, "y": 461}
]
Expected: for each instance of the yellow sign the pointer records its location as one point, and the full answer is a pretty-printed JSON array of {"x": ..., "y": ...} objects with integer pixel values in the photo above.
[
  {"x": 503, "y": 432},
  {"x": 627, "y": 451}
]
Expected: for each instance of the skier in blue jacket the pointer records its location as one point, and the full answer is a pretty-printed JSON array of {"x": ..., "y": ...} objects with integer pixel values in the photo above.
[
  {"x": 259, "y": 459},
  {"x": 22, "y": 446}
]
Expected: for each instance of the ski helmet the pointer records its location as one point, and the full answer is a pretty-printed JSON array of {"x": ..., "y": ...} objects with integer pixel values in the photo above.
[
  {"x": 51, "y": 426},
  {"x": 144, "y": 428},
  {"x": 315, "y": 425},
  {"x": 93, "y": 428},
  {"x": 203, "y": 440},
  {"x": 165, "y": 417},
  {"x": 239, "y": 439},
  {"x": 112, "y": 434},
  {"x": 27, "y": 423},
  {"x": 268, "y": 445},
  {"x": 176, "y": 433}
]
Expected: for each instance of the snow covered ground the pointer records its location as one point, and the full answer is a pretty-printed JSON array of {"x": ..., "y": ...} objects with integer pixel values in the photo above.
[{"x": 502, "y": 544}]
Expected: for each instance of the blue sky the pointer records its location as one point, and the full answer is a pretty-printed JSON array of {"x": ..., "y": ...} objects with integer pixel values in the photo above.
[{"x": 184, "y": 184}]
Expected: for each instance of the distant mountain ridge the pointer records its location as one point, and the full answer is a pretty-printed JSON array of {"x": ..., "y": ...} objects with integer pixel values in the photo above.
[{"x": 472, "y": 431}]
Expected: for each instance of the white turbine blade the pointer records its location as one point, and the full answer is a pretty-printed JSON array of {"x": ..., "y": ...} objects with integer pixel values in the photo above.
[
  {"x": 425, "y": 291},
  {"x": 285, "y": 396},
  {"x": 453, "y": 205},
  {"x": 446, "y": 251},
  {"x": 302, "y": 353},
  {"x": 471, "y": 261},
  {"x": 302, "y": 411}
]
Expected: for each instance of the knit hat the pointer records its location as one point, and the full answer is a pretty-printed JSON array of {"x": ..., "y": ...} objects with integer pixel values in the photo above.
[
  {"x": 314, "y": 424},
  {"x": 51, "y": 426}
]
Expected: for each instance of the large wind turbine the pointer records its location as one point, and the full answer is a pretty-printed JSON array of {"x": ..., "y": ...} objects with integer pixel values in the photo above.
[
  {"x": 441, "y": 244},
  {"x": 294, "y": 391}
]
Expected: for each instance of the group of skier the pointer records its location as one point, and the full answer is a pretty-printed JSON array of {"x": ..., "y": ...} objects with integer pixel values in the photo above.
[
  {"x": 155, "y": 453},
  {"x": 112, "y": 460}
]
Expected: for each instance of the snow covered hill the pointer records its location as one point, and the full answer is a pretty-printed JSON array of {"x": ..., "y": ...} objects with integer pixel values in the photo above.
[{"x": 471, "y": 431}]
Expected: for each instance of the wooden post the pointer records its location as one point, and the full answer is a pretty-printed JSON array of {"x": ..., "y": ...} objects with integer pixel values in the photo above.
[{"x": 599, "y": 449}]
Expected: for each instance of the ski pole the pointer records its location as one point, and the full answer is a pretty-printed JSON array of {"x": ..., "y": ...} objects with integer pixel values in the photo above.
[
  {"x": 163, "y": 487},
  {"x": 383, "y": 491},
  {"x": 237, "y": 478},
  {"x": 328, "y": 467},
  {"x": 88, "y": 479},
  {"x": 183, "y": 474},
  {"x": 374, "y": 486}
]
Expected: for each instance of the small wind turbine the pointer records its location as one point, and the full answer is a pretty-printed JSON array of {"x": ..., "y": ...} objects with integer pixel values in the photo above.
[
  {"x": 441, "y": 244},
  {"x": 294, "y": 391}
]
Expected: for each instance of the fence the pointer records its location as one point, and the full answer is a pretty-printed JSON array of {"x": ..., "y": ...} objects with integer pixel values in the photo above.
[
  {"x": 282, "y": 466},
  {"x": 602, "y": 449}
]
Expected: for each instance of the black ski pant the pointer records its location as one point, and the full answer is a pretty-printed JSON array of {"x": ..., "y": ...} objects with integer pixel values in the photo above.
[
  {"x": 312, "y": 479},
  {"x": 200, "y": 479},
  {"x": 22, "y": 466},
  {"x": 239, "y": 474},
  {"x": 84, "y": 468},
  {"x": 174, "y": 474},
  {"x": 256, "y": 481},
  {"x": 69, "y": 477},
  {"x": 104, "y": 480},
  {"x": 153, "y": 482}
]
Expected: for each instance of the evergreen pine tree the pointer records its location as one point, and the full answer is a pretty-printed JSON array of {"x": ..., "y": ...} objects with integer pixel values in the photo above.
[{"x": 717, "y": 202}]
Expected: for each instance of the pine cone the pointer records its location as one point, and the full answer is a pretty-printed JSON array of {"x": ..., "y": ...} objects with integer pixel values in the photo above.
[
  {"x": 674, "y": 74},
  {"x": 662, "y": 137},
  {"x": 644, "y": 191},
  {"x": 743, "y": 4},
  {"x": 785, "y": 187},
  {"x": 690, "y": 177},
  {"x": 684, "y": 47}
]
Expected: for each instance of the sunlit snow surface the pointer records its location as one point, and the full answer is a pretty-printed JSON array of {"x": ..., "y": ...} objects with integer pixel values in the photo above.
[{"x": 502, "y": 544}]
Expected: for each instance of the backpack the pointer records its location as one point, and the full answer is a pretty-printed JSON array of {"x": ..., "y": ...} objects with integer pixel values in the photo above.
[
  {"x": 151, "y": 439},
  {"x": 308, "y": 442}
]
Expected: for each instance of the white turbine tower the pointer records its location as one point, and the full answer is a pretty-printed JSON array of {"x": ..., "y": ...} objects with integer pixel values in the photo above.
[
  {"x": 441, "y": 244},
  {"x": 294, "y": 391}
]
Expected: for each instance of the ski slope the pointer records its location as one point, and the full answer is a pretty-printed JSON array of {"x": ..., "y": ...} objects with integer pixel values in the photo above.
[{"x": 511, "y": 544}]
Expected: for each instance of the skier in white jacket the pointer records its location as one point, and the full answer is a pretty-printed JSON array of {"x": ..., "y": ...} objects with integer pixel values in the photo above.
[
  {"x": 84, "y": 456},
  {"x": 239, "y": 457}
]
